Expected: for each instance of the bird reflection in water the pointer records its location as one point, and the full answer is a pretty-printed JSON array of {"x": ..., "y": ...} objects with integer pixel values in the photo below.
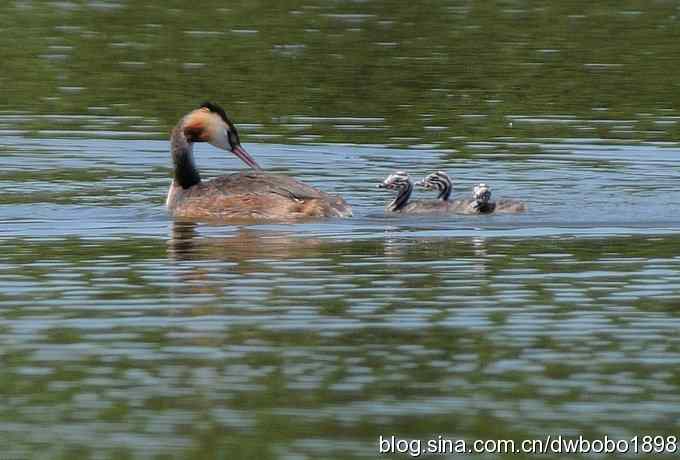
[
  {"x": 241, "y": 246},
  {"x": 214, "y": 265}
]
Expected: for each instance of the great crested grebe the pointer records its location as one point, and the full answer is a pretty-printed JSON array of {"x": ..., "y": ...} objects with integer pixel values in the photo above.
[
  {"x": 401, "y": 182},
  {"x": 244, "y": 195},
  {"x": 482, "y": 204},
  {"x": 441, "y": 182}
]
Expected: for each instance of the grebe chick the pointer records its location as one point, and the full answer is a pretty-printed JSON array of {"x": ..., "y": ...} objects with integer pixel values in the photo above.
[
  {"x": 242, "y": 196},
  {"x": 482, "y": 203},
  {"x": 441, "y": 182},
  {"x": 401, "y": 182},
  {"x": 481, "y": 193}
]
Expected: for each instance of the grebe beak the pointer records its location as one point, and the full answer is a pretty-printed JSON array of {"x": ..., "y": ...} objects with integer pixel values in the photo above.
[
  {"x": 245, "y": 157},
  {"x": 420, "y": 183},
  {"x": 381, "y": 185}
]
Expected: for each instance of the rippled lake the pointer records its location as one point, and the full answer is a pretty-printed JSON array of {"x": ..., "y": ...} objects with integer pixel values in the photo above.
[{"x": 125, "y": 334}]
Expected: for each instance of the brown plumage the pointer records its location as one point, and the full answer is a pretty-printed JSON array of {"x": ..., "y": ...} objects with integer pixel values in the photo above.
[
  {"x": 248, "y": 195},
  {"x": 255, "y": 195}
]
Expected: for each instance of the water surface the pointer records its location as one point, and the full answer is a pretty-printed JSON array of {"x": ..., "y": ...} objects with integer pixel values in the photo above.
[{"x": 125, "y": 334}]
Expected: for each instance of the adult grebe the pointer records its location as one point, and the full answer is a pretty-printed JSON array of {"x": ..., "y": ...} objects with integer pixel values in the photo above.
[
  {"x": 401, "y": 182},
  {"x": 244, "y": 195},
  {"x": 482, "y": 204}
]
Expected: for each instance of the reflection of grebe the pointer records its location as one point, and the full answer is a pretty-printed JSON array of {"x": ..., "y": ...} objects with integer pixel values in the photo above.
[
  {"x": 401, "y": 182},
  {"x": 203, "y": 261},
  {"x": 245, "y": 195},
  {"x": 242, "y": 246}
]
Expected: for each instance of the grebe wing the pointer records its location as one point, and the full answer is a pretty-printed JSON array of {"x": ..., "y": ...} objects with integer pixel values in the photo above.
[
  {"x": 255, "y": 195},
  {"x": 260, "y": 183},
  {"x": 269, "y": 206}
]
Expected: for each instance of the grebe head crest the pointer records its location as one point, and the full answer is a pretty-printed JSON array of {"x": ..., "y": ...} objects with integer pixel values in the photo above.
[
  {"x": 396, "y": 181},
  {"x": 209, "y": 123},
  {"x": 481, "y": 193}
]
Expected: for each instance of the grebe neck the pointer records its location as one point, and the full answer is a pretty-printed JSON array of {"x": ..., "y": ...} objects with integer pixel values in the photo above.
[
  {"x": 186, "y": 174},
  {"x": 402, "y": 198},
  {"x": 445, "y": 194}
]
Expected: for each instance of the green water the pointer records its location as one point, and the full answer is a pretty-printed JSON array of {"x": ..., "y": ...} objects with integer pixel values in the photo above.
[
  {"x": 431, "y": 71},
  {"x": 126, "y": 335}
]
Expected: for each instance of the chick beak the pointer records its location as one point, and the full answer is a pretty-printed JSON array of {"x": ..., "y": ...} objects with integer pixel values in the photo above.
[{"x": 245, "y": 157}]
